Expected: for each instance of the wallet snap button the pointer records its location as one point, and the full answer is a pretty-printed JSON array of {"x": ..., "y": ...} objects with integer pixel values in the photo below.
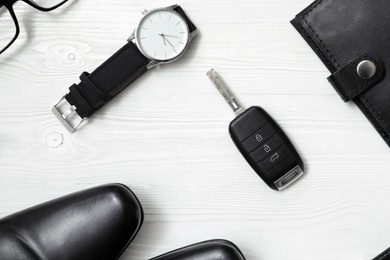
[{"x": 366, "y": 69}]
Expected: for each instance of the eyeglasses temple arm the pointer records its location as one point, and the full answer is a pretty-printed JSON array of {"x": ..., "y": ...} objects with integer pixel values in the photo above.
[
  {"x": 16, "y": 27},
  {"x": 41, "y": 8}
]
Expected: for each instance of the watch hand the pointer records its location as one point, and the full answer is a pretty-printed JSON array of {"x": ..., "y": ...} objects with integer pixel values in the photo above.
[
  {"x": 170, "y": 43},
  {"x": 165, "y": 39},
  {"x": 171, "y": 36},
  {"x": 162, "y": 36}
]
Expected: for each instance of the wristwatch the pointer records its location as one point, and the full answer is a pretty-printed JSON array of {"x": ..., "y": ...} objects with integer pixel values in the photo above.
[{"x": 161, "y": 36}]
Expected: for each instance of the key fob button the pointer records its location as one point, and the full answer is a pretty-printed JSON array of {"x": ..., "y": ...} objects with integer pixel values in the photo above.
[
  {"x": 274, "y": 159},
  {"x": 248, "y": 122},
  {"x": 261, "y": 141},
  {"x": 259, "y": 138},
  {"x": 267, "y": 148}
]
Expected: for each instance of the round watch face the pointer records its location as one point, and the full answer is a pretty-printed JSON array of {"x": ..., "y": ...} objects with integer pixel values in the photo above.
[{"x": 162, "y": 35}]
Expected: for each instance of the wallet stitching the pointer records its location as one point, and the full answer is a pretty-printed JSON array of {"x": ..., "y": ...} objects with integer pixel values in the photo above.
[
  {"x": 337, "y": 64},
  {"x": 352, "y": 92},
  {"x": 378, "y": 113},
  {"x": 316, "y": 35},
  {"x": 314, "y": 45}
]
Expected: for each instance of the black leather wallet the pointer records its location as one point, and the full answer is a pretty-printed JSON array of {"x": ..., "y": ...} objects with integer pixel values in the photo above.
[
  {"x": 351, "y": 39},
  {"x": 385, "y": 255}
]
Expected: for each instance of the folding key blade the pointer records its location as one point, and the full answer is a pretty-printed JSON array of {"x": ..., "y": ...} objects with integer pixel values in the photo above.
[{"x": 225, "y": 92}]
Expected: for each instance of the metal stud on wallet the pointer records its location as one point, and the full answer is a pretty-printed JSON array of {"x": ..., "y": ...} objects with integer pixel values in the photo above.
[{"x": 261, "y": 141}]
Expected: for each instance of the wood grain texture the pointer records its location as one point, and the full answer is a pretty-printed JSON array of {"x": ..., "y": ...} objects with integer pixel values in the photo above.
[{"x": 166, "y": 135}]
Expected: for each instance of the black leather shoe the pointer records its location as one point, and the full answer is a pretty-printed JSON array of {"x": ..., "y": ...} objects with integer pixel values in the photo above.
[
  {"x": 97, "y": 223},
  {"x": 208, "y": 250}
]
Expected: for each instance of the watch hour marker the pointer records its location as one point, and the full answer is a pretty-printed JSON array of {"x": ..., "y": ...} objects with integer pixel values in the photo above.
[
  {"x": 182, "y": 32},
  {"x": 150, "y": 20},
  {"x": 154, "y": 56},
  {"x": 170, "y": 17},
  {"x": 143, "y": 38},
  {"x": 181, "y": 42},
  {"x": 178, "y": 23},
  {"x": 165, "y": 55},
  {"x": 159, "y": 14},
  {"x": 144, "y": 28}
]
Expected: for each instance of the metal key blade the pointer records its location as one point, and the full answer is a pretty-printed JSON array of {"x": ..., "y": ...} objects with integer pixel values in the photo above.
[{"x": 225, "y": 92}]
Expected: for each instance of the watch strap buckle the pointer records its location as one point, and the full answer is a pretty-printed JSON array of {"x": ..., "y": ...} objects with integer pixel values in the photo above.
[{"x": 68, "y": 117}]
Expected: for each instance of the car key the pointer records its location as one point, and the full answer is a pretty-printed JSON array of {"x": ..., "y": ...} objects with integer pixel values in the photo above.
[{"x": 261, "y": 141}]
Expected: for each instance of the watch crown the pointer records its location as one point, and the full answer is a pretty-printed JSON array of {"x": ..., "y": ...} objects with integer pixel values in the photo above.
[{"x": 144, "y": 12}]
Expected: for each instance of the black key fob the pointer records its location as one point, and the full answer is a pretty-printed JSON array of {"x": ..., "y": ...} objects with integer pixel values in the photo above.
[
  {"x": 262, "y": 142},
  {"x": 266, "y": 148}
]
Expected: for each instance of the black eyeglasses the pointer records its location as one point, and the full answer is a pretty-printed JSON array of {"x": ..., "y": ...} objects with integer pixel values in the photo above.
[{"x": 9, "y": 26}]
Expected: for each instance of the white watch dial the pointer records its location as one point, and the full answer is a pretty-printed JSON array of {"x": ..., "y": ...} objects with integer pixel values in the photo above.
[{"x": 162, "y": 35}]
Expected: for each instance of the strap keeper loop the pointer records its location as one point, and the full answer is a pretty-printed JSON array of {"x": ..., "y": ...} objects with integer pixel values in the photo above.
[{"x": 357, "y": 76}]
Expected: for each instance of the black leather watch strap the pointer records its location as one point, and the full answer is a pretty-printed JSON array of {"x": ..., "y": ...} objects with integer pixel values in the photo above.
[
  {"x": 108, "y": 80},
  {"x": 191, "y": 26},
  {"x": 115, "y": 74}
]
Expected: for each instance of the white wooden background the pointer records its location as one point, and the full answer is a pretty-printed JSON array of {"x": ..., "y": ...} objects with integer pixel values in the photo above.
[{"x": 166, "y": 135}]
